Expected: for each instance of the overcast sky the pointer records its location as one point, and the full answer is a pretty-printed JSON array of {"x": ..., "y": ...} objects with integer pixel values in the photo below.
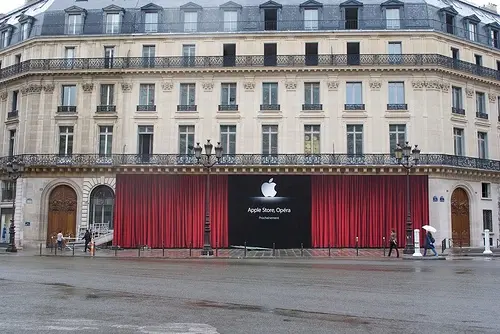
[{"x": 8, "y": 5}]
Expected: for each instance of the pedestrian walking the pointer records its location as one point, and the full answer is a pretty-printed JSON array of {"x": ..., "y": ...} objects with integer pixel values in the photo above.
[
  {"x": 393, "y": 243},
  {"x": 429, "y": 243},
  {"x": 60, "y": 239},
  {"x": 87, "y": 239}
]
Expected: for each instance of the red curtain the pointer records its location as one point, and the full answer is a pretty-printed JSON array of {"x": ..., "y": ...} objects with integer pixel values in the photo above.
[
  {"x": 345, "y": 207},
  {"x": 169, "y": 210}
]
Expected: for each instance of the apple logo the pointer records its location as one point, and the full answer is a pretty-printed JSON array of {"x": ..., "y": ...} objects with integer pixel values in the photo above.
[{"x": 267, "y": 188}]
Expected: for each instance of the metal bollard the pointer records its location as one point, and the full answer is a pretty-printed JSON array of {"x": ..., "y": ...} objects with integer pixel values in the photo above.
[
  {"x": 357, "y": 246},
  {"x": 302, "y": 249},
  {"x": 245, "y": 250},
  {"x": 487, "y": 247},
  {"x": 329, "y": 250},
  {"x": 139, "y": 251},
  {"x": 73, "y": 249},
  {"x": 216, "y": 249},
  {"x": 190, "y": 249},
  {"x": 163, "y": 250},
  {"x": 116, "y": 250},
  {"x": 383, "y": 244},
  {"x": 55, "y": 250},
  {"x": 40, "y": 249},
  {"x": 274, "y": 249}
]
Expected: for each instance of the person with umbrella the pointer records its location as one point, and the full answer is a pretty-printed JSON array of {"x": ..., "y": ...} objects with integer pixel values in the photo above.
[{"x": 429, "y": 239}]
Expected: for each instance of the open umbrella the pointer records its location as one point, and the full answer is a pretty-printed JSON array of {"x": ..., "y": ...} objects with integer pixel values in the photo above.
[{"x": 429, "y": 228}]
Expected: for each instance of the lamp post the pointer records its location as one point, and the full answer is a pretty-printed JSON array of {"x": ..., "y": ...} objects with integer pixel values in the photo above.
[
  {"x": 14, "y": 170},
  {"x": 408, "y": 158},
  {"x": 206, "y": 161}
]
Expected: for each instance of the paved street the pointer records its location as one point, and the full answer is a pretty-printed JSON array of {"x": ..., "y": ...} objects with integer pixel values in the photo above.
[{"x": 116, "y": 295}]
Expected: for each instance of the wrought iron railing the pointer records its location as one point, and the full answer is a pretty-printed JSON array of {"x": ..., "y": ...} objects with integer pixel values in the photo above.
[
  {"x": 481, "y": 115},
  {"x": 458, "y": 111},
  {"x": 312, "y": 106},
  {"x": 325, "y": 60},
  {"x": 82, "y": 160},
  {"x": 106, "y": 108},
  {"x": 397, "y": 106},
  {"x": 354, "y": 107}
]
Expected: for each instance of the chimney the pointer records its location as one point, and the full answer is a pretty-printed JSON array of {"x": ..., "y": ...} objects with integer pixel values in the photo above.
[{"x": 491, "y": 7}]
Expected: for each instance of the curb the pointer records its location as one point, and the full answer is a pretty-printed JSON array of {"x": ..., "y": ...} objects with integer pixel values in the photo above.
[{"x": 430, "y": 258}]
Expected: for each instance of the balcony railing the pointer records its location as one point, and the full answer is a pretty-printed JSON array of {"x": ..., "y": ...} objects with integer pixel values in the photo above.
[
  {"x": 228, "y": 107},
  {"x": 12, "y": 114},
  {"x": 482, "y": 115},
  {"x": 106, "y": 108},
  {"x": 186, "y": 107},
  {"x": 397, "y": 106},
  {"x": 66, "y": 109},
  {"x": 86, "y": 160},
  {"x": 267, "y": 107},
  {"x": 146, "y": 107},
  {"x": 312, "y": 107},
  {"x": 354, "y": 107},
  {"x": 458, "y": 111},
  {"x": 34, "y": 66}
]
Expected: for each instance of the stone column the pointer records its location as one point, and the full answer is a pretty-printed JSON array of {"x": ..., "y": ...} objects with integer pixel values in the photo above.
[
  {"x": 31, "y": 94},
  {"x": 46, "y": 125},
  {"x": 86, "y": 111}
]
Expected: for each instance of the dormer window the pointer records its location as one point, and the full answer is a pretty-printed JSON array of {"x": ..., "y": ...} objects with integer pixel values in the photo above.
[
  {"x": 151, "y": 17},
  {"x": 75, "y": 18},
  {"x": 26, "y": 24},
  {"x": 392, "y": 10},
  {"x": 311, "y": 10},
  {"x": 448, "y": 14},
  {"x": 351, "y": 9},
  {"x": 230, "y": 11},
  {"x": 494, "y": 34},
  {"x": 190, "y": 16},
  {"x": 113, "y": 19},
  {"x": 270, "y": 9},
  {"x": 5, "y": 38},
  {"x": 471, "y": 23}
]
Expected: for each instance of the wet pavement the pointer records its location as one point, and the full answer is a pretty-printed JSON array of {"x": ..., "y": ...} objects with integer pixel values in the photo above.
[{"x": 209, "y": 296}]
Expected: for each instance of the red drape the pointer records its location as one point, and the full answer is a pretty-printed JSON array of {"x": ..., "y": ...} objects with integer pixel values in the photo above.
[
  {"x": 345, "y": 207},
  {"x": 169, "y": 210}
]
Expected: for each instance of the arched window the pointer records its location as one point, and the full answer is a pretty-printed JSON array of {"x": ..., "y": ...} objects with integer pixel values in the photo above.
[{"x": 102, "y": 200}]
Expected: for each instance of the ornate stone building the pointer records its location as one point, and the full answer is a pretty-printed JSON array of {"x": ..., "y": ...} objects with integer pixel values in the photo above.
[{"x": 90, "y": 89}]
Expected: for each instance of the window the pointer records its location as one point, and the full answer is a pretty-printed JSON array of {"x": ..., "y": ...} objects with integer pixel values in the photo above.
[
  {"x": 145, "y": 134},
  {"x": 397, "y": 96},
  {"x": 311, "y": 93},
  {"x": 4, "y": 37},
  {"x": 455, "y": 53},
  {"x": 230, "y": 20},
  {"x": 270, "y": 54},
  {"x": 311, "y": 19},
  {"x": 228, "y": 94},
  {"x": 480, "y": 103},
  {"x": 311, "y": 54},
  {"x": 312, "y": 139},
  {"x": 25, "y": 32},
  {"x": 107, "y": 95},
  {"x": 354, "y": 93},
  {"x": 151, "y": 22},
  {"x": 485, "y": 190},
  {"x": 65, "y": 140},
  {"x": 190, "y": 21},
  {"x": 472, "y": 31},
  {"x": 395, "y": 49},
  {"x": 270, "y": 19},
  {"x": 17, "y": 59},
  {"x": 186, "y": 139},
  {"x": 188, "y": 54},
  {"x": 109, "y": 53},
  {"x": 479, "y": 60},
  {"x": 487, "y": 220},
  {"x": 270, "y": 93},
  {"x": 7, "y": 191},
  {"x": 482, "y": 145},
  {"x": 458, "y": 141},
  {"x": 353, "y": 53},
  {"x": 112, "y": 23},
  {"x": 188, "y": 94},
  {"x": 392, "y": 17},
  {"x": 148, "y": 55},
  {"x": 457, "y": 102},
  {"x": 450, "y": 23},
  {"x": 229, "y": 54},
  {"x": 147, "y": 94},
  {"x": 74, "y": 24},
  {"x": 12, "y": 142},
  {"x": 355, "y": 139},
  {"x": 68, "y": 95},
  {"x": 495, "y": 38},
  {"x": 15, "y": 100},
  {"x": 269, "y": 139},
  {"x": 397, "y": 135},
  {"x": 102, "y": 201},
  {"x": 69, "y": 52},
  {"x": 228, "y": 139},
  {"x": 105, "y": 141},
  {"x": 351, "y": 18}
]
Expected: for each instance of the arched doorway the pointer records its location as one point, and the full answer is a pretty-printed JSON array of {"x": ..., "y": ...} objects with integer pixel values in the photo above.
[
  {"x": 102, "y": 200},
  {"x": 460, "y": 225},
  {"x": 62, "y": 212}
]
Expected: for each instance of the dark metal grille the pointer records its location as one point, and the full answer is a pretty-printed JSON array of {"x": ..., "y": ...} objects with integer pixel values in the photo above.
[
  {"x": 482, "y": 115},
  {"x": 81, "y": 160},
  {"x": 398, "y": 106},
  {"x": 228, "y": 107},
  {"x": 328, "y": 60},
  {"x": 186, "y": 107},
  {"x": 312, "y": 107},
  {"x": 458, "y": 111},
  {"x": 354, "y": 107},
  {"x": 106, "y": 108},
  {"x": 146, "y": 107},
  {"x": 66, "y": 109},
  {"x": 269, "y": 107}
]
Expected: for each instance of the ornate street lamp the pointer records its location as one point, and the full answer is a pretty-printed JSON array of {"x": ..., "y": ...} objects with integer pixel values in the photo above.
[
  {"x": 14, "y": 169},
  {"x": 206, "y": 161},
  {"x": 408, "y": 158}
]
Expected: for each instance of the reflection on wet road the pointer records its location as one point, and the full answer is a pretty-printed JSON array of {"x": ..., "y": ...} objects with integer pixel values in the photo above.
[{"x": 87, "y": 295}]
